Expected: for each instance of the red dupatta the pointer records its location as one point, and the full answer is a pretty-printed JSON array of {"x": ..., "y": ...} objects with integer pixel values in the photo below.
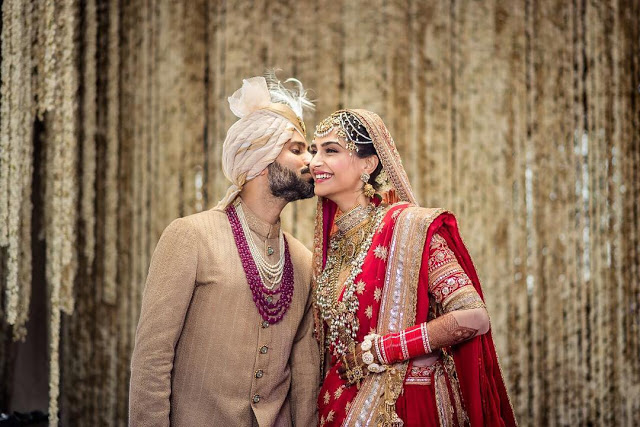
[{"x": 479, "y": 373}]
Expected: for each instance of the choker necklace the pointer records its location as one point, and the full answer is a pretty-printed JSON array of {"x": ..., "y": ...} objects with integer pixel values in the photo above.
[
  {"x": 354, "y": 217},
  {"x": 264, "y": 296}
]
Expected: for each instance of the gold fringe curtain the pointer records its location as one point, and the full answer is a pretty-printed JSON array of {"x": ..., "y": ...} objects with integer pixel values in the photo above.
[{"x": 522, "y": 117}]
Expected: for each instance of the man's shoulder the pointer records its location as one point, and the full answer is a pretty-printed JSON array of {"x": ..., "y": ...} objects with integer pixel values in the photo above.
[
  {"x": 296, "y": 247},
  {"x": 198, "y": 226},
  {"x": 205, "y": 219}
]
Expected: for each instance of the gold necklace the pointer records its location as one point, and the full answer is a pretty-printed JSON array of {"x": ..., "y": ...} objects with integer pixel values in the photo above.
[{"x": 340, "y": 315}]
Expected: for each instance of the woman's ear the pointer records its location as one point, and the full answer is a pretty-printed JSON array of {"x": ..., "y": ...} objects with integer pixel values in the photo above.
[{"x": 370, "y": 164}]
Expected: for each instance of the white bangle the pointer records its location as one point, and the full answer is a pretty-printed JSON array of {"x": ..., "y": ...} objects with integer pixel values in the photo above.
[
  {"x": 367, "y": 357},
  {"x": 379, "y": 350}
]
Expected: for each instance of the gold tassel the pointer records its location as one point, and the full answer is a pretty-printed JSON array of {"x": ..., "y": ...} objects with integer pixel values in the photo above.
[{"x": 387, "y": 415}]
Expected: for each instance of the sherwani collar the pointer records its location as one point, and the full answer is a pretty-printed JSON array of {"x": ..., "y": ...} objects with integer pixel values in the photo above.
[{"x": 259, "y": 226}]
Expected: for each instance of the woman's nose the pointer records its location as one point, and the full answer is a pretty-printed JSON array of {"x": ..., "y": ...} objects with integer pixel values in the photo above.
[{"x": 315, "y": 161}]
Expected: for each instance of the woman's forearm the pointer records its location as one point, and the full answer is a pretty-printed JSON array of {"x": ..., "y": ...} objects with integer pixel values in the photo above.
[{"x": 446, "y": 330}]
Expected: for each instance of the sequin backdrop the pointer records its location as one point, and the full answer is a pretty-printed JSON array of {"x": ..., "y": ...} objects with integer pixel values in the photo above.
[{"x": 523, "y": 117}]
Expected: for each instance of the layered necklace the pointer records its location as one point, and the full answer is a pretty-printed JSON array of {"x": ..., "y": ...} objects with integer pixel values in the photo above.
[
  {"x": 347, "y": 251},
  {"x": 272, "y": 300}
]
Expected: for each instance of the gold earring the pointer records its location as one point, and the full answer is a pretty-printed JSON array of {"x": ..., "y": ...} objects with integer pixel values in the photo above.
[{"x": 368, "y": 189}]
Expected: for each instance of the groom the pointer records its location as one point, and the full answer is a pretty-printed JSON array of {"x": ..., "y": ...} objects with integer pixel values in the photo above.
[{"x": 225, "y": 331}]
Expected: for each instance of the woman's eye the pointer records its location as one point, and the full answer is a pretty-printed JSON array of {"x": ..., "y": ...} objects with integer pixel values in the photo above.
[
  {"x": 296, "y": 151},
  {"x": 331, "y": 150}
]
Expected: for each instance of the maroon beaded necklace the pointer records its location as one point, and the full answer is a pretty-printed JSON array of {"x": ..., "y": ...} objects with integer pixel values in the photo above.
[{"x": 271, "y": 309}]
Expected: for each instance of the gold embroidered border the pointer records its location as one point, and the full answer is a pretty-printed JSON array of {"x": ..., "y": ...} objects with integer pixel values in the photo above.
[
  {"x": 316, "y": 271},
  {"x": 464, "y": 298},
  {"x": 443, "y": 402},
  {"x": 398, "y": 305},
  {"x": 450, "y": 367},
  {"x": 421, "y": 375}
]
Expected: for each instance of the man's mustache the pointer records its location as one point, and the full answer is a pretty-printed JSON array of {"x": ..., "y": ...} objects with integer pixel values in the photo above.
[{"x": 305, "y": 170}]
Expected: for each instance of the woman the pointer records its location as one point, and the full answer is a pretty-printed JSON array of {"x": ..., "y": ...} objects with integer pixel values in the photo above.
[{"x": 399, "y": 309}]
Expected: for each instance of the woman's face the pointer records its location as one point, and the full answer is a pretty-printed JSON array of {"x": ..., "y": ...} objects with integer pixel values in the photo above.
[{"x": 336, "y": 170}]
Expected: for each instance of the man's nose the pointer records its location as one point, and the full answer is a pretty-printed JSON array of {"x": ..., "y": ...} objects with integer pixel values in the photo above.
[
  {"x": 307, "y": 158},
  {"x": 313, "y": 161}
]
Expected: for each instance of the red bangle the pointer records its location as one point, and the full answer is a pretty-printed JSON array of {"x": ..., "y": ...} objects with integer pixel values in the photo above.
[{"x": 404, "y": 345}]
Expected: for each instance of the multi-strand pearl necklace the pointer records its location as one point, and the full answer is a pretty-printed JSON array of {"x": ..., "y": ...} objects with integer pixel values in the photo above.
[
  {"x": 271, "y": 274},
  {"x": 272, "y": 303},
  {"x": 340, "y": 314}
]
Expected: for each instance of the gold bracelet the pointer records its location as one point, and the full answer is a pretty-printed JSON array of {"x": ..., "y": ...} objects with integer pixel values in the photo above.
[{"x": 354, "y": 374}]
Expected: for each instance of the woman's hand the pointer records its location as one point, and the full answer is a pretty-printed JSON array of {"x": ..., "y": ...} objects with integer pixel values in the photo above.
[{"x": 352, "y": 362}]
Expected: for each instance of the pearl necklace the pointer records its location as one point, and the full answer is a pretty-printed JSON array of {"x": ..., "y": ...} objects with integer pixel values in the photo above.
[
  {"x": 271, "y": 274},
  {"x": 271, "y": 304}
]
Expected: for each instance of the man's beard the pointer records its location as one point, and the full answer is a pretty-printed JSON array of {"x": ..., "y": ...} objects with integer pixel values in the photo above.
[{"x": 286, "y": 184}]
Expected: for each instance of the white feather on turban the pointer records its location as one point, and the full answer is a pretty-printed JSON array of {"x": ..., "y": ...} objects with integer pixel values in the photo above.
[{"x": 254, "y": 141}]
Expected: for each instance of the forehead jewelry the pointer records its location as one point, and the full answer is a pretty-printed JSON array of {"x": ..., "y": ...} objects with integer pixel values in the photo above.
[{"x": 348, "y": 127}]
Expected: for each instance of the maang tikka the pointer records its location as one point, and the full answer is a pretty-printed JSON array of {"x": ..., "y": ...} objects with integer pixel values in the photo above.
[{"x": 348, "y": 127}]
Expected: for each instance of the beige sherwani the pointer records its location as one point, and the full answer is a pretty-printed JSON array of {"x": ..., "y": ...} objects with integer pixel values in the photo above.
[{"x": 203, "y": 356}]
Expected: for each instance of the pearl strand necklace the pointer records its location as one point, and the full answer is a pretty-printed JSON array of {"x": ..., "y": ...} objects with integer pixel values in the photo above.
[{"x": 271, "y": 274}]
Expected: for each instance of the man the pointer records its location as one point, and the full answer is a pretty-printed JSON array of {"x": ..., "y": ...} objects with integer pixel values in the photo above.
[{"x": 225, "y": 333}]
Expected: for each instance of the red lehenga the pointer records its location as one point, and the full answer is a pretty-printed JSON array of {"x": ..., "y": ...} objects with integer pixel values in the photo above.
[{"x": 393, "y": 291}]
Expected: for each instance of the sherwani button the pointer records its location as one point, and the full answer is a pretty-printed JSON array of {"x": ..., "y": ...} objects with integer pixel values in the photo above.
[
  {"x": 264, "y": 349},
  {"x": 256, "y": 398},
  {"x": 259, "y": 373},
  {"x": 265, "y": 324}
]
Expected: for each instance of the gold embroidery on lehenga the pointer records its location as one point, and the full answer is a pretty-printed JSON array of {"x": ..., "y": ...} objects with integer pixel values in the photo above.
[
  {"x": 421, "y": 375},
  {"x": 450, "y": 367},
  {"x": 449, "y": 405},
  {"x": 443, "y": 403},
  {"x": 377, "y": 294},
  {"x": 381, "y": 252}
]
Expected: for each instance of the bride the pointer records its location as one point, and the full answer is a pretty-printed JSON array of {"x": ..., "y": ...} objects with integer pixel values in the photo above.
[{"x": 398, "y": 306}]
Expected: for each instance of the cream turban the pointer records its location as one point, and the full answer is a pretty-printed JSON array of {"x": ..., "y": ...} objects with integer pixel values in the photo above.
[{"x": 254, "y": 141}]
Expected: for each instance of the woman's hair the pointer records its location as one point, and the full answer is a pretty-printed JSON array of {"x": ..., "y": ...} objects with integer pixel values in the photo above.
[{"x": 368, "y": 150}]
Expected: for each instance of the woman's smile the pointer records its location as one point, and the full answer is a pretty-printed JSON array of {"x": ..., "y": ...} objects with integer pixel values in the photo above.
[{"x": 321, "y": 176}]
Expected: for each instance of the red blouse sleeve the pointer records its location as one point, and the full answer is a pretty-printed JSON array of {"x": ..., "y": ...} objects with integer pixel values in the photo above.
[
  {"x": 448, "y": 286},
  {"x": 446, "y": 276}
]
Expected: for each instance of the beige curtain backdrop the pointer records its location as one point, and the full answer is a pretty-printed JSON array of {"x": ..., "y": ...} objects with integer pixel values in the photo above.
[{"x": 521, "y": 116}]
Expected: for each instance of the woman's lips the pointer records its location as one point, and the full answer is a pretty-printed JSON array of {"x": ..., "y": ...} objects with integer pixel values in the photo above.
[{"x": 321, "y": 177}]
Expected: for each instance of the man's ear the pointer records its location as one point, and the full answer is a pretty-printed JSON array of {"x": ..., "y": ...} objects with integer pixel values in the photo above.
[{"x": 370, "y": 164}]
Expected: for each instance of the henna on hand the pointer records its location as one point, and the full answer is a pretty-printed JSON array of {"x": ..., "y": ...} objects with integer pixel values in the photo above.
[
  {"x": 445, "y": 331},
  {"x": 354, "y": 359}
]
